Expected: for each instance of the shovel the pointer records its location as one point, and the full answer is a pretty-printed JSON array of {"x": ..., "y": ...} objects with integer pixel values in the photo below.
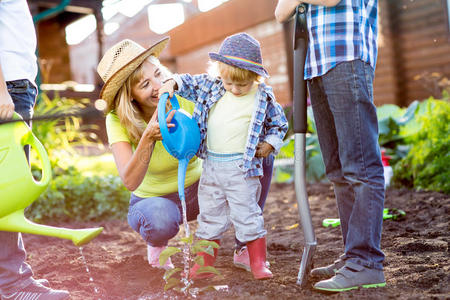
[{"x": 300, "y": 127}]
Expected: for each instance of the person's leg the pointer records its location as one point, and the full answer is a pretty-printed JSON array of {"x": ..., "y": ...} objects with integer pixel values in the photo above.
[
  {"x": 265, "y": 181},
  {"x": 348, "y": 90},
  {"x": 156, "y": 219},
  {"x": 15, "y": 273}
]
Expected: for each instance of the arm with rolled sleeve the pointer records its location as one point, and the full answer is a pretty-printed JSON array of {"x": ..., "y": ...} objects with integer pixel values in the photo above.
[
  {"x": 190, "y": 86},
  {"x": 276, "y": 125}
]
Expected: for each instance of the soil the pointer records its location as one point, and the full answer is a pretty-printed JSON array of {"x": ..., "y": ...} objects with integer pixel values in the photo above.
[{"x": 417, "y": 264}]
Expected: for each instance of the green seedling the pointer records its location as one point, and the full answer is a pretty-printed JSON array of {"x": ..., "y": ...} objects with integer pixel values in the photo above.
[{"x": 190, "y": 248}]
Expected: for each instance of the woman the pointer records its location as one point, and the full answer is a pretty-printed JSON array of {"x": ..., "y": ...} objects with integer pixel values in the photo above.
[{"x": 133, "y": 76}]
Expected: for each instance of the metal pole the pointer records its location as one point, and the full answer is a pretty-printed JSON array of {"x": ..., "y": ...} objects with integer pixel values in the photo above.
[{"x": 300, "y": 128}]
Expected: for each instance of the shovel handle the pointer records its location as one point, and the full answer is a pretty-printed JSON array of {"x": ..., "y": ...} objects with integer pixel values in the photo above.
[{"x": 300, "y": 48}]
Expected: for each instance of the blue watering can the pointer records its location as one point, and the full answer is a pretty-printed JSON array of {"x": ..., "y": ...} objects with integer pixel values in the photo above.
[
  {"x": 181, "y": 141},
  {"x": 18, "y": 188}
]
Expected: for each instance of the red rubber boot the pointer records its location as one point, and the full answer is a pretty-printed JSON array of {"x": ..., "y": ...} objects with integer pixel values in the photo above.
[
  {"x": 257, "y": 253},
  {"x": 209, "y": 261}
]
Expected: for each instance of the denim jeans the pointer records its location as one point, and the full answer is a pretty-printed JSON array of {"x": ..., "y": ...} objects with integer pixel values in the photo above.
[
  {"x": 157, "y": 219},
  {"x": 347, "y": 127},
  {"x": 265, "y": 180},
  {"x": 15, "y": 273}
]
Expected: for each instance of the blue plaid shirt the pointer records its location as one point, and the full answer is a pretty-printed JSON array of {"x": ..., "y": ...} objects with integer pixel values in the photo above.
[
  {"x": 268, "y": 124},
  {"x": 345, "y": 32}
]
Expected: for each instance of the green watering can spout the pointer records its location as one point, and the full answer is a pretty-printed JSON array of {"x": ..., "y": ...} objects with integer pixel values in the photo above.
[{"x": 18, "y": 188}]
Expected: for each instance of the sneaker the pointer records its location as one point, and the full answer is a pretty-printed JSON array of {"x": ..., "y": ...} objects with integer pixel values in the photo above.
[
  {"x": 352, "y": 276},
  {"x": 328, "y": 271},
  {"x": 44, "y": 282},
  {"x": 35, "y": 290},
  {"x": 241, "y": 259},
  {"x": 153, "y": 258}
]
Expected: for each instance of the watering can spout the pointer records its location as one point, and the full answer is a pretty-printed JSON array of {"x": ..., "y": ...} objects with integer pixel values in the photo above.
[{"x": 17, "y": 222}]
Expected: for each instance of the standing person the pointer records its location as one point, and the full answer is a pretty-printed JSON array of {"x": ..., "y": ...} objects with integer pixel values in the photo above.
[
  {"x": 240, "y": 124},
  {"x": 18, "y": 71},
  {"x": 339, "y": 68},
  {"x": 133, "y": 76}
]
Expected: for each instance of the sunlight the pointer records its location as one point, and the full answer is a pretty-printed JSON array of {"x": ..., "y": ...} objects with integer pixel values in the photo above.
[
  {"x": 163, "y": 17},
  {"x": 205, "y": 5},
  {"x": 110, "y": 27},
  {"x": 80, "y": 29}
]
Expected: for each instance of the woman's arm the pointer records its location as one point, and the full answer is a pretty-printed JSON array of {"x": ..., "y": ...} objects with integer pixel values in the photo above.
[
  {"x": 286, "y": 8},
  {"x": 132, "y": 166}
]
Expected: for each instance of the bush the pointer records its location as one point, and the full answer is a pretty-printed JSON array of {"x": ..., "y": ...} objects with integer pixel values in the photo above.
[
  {"x": 76, "y": 197},
  {"x": 426, "y": 166}
]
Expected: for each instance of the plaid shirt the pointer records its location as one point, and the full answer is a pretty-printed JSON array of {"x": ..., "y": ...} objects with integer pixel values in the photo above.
[
  {"x": 345, "y": 32},
  {"x": 268, "y": 124}
]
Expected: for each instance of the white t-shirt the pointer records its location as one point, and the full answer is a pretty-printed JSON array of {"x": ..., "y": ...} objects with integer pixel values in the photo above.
[
  {"x": 229, "y": 121},
  {"x": 17, "y": 41}
]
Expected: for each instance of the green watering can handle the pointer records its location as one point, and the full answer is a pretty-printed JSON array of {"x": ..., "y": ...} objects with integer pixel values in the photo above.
[{"x": 31, "y": 139}]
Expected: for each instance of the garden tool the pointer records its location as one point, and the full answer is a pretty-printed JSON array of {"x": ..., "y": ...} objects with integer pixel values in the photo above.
[
  {"x": 18, "y": 188},
  {"x": 300, "y": 128},
  {"x": 181, "y": 141},
  {"x": 393, "y": 214}
]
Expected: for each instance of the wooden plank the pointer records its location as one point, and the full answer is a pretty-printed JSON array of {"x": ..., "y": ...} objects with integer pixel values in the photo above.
[{"x": 230, "y": 17}]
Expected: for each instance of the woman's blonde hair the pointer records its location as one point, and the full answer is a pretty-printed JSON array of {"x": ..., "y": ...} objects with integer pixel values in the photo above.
[
  {"x": 217, "y": 68},
  {"x": 128, "y": 110}
]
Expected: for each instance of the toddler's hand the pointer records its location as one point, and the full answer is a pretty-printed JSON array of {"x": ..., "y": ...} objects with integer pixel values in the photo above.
[
  {"x": 167, "y": 87},
  {"x": 263, "y": 149}
]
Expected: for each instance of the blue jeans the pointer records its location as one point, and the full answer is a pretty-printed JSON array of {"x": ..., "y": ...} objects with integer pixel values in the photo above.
[
  {"x": 15, "y": 273},
  {"x": 347, "y": 127},
  {"x": 265, "y": 180},
  {"x": 157, "y": 219}
]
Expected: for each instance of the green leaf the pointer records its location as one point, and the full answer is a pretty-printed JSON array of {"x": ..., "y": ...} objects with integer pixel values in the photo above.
[
  {"x": 188, "y": 240},
  {"x": 169, "y": 273},
  {"x": 171, "y": 283},
  {"x": 199, "y": 260},
  {"x": 166, "y": 253},
  {"x": 208, "y": 269}
]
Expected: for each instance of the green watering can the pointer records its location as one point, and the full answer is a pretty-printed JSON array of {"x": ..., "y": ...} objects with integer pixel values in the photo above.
[{"x": 18, "y": 188}]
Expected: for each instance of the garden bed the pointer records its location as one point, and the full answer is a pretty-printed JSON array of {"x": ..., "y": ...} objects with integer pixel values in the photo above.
[{"x": 417, "y": 259}]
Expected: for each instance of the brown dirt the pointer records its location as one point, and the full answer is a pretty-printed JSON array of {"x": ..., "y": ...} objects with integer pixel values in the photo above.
[{"x": 417, "y": 262}]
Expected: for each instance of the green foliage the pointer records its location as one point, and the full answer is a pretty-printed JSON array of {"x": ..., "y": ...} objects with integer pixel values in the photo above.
[
  {"x": 315, "y": 169},
  {"x": 71, "y": 195},
  {"x": 426, "y": 166},
  {"x": 63, "y": 134},
  {"x": 180, "y": 284}
]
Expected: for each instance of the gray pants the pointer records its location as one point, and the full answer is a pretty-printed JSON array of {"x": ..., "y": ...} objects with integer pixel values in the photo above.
[{"x": 225, "y": 194}]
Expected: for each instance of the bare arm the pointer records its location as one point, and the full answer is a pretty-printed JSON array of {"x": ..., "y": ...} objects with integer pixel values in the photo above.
[
  {"x": 132, "y": 166},
  {"x": 286, "y": 8},
  {"x": 6, "y": 103}
]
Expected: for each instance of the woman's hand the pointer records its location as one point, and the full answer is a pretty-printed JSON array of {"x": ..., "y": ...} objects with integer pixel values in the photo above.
[
  {"x": 152, "y": 132},
  {"x": 263, "y": 149},
  {"x": 167, "y": 87}
]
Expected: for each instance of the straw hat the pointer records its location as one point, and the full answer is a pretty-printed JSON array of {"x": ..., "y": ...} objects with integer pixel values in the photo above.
[{"x": 120, "y": 61}]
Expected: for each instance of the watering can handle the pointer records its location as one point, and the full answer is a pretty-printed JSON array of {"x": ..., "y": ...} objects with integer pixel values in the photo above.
[
  {"x": 42, "y": 154},
  {"x": 162, "y": 112},
  {"x": 46, "y": 167}
]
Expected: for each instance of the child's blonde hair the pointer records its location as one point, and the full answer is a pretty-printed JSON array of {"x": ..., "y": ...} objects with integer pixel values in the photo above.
[
  {"x": 218, "y": 68},
  {"x": 127, "y": 110}
]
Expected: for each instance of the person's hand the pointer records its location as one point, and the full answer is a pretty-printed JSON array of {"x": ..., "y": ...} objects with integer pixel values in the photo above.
[
  {"x": 263, "y": 149},
  {"x": 167, "y": 87},
  {"x": 152, "y": 132},
  {"x": 6, "y": 106}
]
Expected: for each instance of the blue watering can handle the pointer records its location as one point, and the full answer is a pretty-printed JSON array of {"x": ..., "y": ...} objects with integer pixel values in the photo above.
[
  {"x": 162, "y": 112},
  {"x": 42, "y": 154}
]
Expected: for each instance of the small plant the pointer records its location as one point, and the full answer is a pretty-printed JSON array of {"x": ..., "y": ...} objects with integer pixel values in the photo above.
[{"x": 183, "y": 283}]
